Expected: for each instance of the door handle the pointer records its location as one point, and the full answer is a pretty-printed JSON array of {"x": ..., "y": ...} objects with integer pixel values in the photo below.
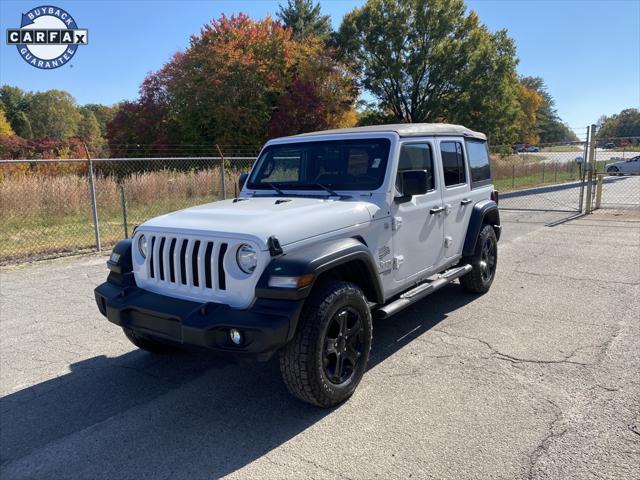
[
  {"x": 465, "y": 201},
  {"x": 433, "y": 211}
]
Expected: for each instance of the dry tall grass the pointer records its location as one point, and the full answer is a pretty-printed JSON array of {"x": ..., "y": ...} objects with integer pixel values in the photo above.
[{"x": 36, "y": 195}]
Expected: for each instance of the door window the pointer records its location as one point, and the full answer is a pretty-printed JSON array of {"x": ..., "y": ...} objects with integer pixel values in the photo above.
[
  {"x": 453, "y": 163},
  {"x": 417, "y": 156},
  {"x": 480, "y": 170}
]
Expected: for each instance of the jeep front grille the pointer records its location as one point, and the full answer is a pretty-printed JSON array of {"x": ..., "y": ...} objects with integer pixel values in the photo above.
[{"x": 185, "y": 263}]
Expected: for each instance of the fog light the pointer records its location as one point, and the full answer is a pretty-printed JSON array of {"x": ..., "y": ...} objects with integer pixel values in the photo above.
[{"x": 236, "y": 336}]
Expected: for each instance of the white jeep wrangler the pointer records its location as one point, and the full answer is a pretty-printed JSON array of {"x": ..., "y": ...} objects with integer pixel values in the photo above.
[{"x": 329, "y": 230}]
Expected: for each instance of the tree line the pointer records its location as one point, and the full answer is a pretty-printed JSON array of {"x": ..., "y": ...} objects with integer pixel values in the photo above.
[{"x": 242, "y": 80}]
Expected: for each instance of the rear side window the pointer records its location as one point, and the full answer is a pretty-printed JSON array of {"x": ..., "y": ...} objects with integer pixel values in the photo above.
[
  {"x": 417, "y": 156},
  {"x": 479, "y": 163},
  {"x": 452, "y": 163}
]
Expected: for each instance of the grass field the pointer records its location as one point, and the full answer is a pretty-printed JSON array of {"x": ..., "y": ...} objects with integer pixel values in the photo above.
[{"x": 44, "y": 216}]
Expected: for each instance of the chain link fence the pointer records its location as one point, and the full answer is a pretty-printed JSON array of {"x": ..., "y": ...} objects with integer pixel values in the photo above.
[
  {"x": 49, "y": 207},
  {"x": 541, "y": 177},
  {"x": 617, "y": 173}
]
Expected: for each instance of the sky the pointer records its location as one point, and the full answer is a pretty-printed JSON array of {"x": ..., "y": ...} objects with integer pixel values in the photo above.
[{"x": 587, "y": 51}]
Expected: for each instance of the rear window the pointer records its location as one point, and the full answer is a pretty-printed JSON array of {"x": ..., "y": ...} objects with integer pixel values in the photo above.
[{"x": 479, "y": 166}]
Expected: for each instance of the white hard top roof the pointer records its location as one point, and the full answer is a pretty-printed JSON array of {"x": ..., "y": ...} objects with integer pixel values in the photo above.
[{"x": 406, "y": 130}]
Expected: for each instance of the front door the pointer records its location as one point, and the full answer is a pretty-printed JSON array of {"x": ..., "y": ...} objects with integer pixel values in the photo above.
[{"x": 418, "y": 226}]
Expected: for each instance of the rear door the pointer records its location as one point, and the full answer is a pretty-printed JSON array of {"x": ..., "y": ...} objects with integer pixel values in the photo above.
[
  {"x": 456, "y": 194},
  {"x": 466, "y": 176},
  {"x": 417, "y": 233}
]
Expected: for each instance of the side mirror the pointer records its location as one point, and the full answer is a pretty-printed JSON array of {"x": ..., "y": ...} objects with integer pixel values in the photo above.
[
  {"x": 412, "y": 182},
  {"x": 242, "y": 180}
]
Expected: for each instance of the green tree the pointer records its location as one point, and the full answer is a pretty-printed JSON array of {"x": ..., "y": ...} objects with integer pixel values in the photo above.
[
  {"x": 305, "y": 19},
  {"x": 89, "y": 128},
  {"x": 54, "y": 114},
  {"x": 22, "y": 126},
  {"x": 103, "y": 114},
  {"x": 5, "y": 126},
  {"x": 14, "y": 101},
  {"x": 623, "y": 124},
  {"x": 429, "y": 61}
]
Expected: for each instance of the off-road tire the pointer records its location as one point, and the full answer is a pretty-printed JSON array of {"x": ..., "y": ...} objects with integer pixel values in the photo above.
[
  {"x": 147, "y": 343},
  {"x": 303, "y": 362},
  {"x": 476, "y": 280}
]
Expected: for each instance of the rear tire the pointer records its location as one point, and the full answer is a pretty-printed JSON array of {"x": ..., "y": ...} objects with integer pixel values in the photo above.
[
  {"x": 147, "y": 343},
  {"x": 328, "y": 355},
  {"x": 484, "y": 262}
]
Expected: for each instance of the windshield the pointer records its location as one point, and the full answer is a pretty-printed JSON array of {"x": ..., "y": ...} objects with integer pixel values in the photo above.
[{"x": 333, "y": 165}]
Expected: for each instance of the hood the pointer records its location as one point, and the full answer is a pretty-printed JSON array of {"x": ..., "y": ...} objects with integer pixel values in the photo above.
[{"x": 290, "y": 219}]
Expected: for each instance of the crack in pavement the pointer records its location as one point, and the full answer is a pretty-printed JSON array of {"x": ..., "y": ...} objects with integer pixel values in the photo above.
[
  {"x": 543, "y": 445},
  {"x": 495, "y": 353}
]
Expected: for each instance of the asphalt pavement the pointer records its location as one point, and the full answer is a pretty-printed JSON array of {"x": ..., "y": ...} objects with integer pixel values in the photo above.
[{"x": 538, "y": 379}]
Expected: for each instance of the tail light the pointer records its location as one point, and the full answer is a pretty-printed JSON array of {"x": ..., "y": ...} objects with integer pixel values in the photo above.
[{"x": 495, "y": 196}]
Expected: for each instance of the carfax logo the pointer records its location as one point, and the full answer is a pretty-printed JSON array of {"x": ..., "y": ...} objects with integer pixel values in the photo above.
[{"x": 48, "y": 37}]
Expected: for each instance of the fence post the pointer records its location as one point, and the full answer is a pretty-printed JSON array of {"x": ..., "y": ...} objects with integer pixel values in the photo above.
[
  {"x": 123, "y": 205},
  {"x": 222, "y": 179},
  {"x": 582, "y": 171},
  {"x": 590, "y": 164},
  {"x": 543, "y": 172},
  {"x": 599, "y": 191},
  {"x": 513, "y": 175},
  {"x": 555, "y": 173},
  {"x": 94, "y": 207}
]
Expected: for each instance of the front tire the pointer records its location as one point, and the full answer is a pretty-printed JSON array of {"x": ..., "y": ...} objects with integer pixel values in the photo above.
[
  {"x": 484, "y": 262},
  {"x": 328, "y": 355},
  {"x": 147, "y": 343}
]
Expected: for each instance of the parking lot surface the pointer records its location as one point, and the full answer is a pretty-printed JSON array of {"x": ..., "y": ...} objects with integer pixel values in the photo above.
[{"x": 539, "y": 378}]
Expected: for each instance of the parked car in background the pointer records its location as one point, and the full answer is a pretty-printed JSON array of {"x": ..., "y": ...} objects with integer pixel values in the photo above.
[
  {"x": 609, "y": 146},
  {"x": 531, "y": 149},
  {"x": 624, "y": 167}
]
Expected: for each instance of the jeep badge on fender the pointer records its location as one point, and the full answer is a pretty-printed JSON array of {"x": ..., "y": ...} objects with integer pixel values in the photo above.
[{"x": 330, "y": 230}]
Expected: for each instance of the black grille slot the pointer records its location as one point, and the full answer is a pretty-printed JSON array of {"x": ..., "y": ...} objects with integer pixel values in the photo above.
[
  {"x": 172, "y": 267},
  {"x": 183, "y": 261},
  {"x": 152, "y": 272},
  {"x": 222, "y": 282},
  {"x": 194, "y": 262},
  {"x": 207, "y": 265},
  {"x": 160, "y": 258}
]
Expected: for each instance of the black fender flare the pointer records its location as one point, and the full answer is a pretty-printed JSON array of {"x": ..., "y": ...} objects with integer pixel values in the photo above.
[
  {"x": 120, "y": 264},
  {"x": 317, "y": 259},
  {"x": 484, "y": 212}
]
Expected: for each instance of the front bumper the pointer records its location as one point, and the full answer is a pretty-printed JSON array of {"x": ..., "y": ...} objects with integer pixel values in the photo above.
[{"x": 265, "y": 327}]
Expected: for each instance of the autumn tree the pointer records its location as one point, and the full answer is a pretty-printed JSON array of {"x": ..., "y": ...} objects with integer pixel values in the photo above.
[
  {"x": 240, "y": 81},
  {"x": 430, "y": 61},
  {"x": 5, "y": 126},
  {"x": 529, "y": 101},
  {"x": 549, "y": 126},
  {"x": 305, "y": 19}
]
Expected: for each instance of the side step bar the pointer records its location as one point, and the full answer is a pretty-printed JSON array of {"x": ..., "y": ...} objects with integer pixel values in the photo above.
[{"x": 421, "y": 291}]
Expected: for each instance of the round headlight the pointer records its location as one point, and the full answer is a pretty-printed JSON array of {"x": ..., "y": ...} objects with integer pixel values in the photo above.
[
  {"x": 142, "y": 245},
  {"x": 247, "y": 258}
]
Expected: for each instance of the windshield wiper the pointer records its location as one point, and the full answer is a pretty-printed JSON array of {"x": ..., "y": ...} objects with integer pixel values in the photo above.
[
  {"x": 272, "y": 185},
  {"x": 324, "y": 187}
]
